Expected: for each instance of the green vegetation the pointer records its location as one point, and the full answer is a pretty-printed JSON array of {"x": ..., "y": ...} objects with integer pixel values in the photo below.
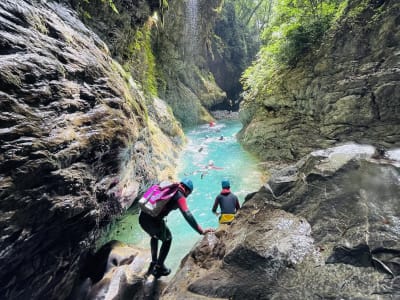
[
  {"x": 80, "y": 6},
  {"x": 110, "y": 4},
  {"x": 127, "y": 33},
  {"x": 255, "y": 14},
  {"x": 163, "y": 4},
  {"x": 141, "y": 60},
  {"x": 290, "y": 30}
]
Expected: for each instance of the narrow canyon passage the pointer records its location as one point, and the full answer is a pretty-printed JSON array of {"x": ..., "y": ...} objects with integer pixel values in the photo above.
[{"x": 216, "y": 145}]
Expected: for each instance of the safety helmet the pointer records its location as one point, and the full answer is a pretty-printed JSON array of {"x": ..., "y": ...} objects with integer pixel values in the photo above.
[
  {"x": 225, "y": 184},
  {"x": 188, "y": 183}
]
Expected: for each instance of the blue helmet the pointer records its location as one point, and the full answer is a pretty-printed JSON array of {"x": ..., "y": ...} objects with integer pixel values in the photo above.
[
  {"x": 225, "y": 184},
  {"x": 188, "y": 183}
]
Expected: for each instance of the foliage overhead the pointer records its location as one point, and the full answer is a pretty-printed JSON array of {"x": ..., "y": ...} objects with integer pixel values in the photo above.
[
  {"x": 255, "y": 14},
  {"x": 293, "y": 28}
]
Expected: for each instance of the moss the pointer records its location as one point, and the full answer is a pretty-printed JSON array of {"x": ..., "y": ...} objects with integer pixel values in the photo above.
[
  {"x": 129, "y": 85},
  {"x": 81, "y": 3},
  {"x": 86, "y": 15},
  {"x": 38, "y": 23},
  {"x": 141, "y": 61},
  {"x": 219, "y": 8},
  {"x": 119, "y": 30},
  {"x": 164, "y": 4},
  {"x": 341, "y": 10},
  {"x": 358, "y": 9},
  {"x": 112, "y": 5},
  {"x": 151, "y": 79},
  {"x": 205, "y": 115},
  {"x": 350, "y": 11}
]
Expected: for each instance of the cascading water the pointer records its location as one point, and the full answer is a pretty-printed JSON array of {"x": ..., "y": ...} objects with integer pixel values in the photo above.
[
  {"x": 219, "y": 145},
  {"x": 192, "y": 28}
]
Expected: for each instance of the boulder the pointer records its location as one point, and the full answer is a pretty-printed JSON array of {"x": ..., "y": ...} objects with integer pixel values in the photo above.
[
  {"x": 115, "y": 271},
  {"x": 324, "y": 228}
]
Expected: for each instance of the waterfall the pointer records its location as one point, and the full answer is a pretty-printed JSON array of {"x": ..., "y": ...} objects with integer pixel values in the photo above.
[{"x": 192, "y": 23}]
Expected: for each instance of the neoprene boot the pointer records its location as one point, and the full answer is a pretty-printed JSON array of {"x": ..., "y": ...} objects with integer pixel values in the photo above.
[
  {"x": 151, "y": 267},
  {"x": 159, "y": 271}
]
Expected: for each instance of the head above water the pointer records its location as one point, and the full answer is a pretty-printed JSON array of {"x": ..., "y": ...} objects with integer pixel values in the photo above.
[
  {"x": 188, "y": 185},
  {"x": 225, "y": 184}
]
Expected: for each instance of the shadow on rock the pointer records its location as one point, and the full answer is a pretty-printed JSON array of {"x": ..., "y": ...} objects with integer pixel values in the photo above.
[{"x": 117, "y": 271}]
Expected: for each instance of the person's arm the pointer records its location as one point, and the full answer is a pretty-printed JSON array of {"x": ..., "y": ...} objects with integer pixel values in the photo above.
[
  {"x": 215, "y": 206},
  {"x": 216, "y": 168},
  {"x": 237, "y": 203},
  {"x": 188, "y": 215}
]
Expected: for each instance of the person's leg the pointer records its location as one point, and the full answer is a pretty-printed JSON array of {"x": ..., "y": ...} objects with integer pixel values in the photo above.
[
  {"x": 152, "y": 227},
  {"x": 160, "y": 269},
  {"x": 158, "y": 230},
  {"x": 154, "y": 252},
  {"x": 154, "y": 249},
  {"x": 166, "y": 245}
]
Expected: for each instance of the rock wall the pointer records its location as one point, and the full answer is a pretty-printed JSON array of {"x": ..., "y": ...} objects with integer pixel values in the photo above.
[
  {"x": 324, "y": 228},
  {"x": 185, "y": 80},
  {"x": 348, "y": 90},
  {"x": 232, "y": 50},
  {"x": 77, "y": 145},
  {"x": 116, "y": 271},
  {"x": 125, "y": 26}
]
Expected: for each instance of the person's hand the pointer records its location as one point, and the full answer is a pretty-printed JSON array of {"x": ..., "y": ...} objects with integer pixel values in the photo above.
[{"x": 208, "y": 230}]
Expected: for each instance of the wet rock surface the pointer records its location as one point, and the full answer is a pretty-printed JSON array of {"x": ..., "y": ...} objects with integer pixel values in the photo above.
[
  {"x": 75, "y": 146},
  {"x": 331, "y": 233},
  {"x": 115, "y": 271},
  {"x": 188, "y": 85},
  {"x": 225, "y": 115},
  {"x": 348, "y": 90}
]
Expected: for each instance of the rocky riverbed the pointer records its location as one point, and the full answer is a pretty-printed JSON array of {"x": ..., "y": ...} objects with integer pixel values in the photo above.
[{"x": 326, "y": 227}]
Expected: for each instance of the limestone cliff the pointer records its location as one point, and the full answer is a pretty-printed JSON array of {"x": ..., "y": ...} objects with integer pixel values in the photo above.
[
  {"x": 181, "y": 46},
  {"x": 189, "y": 53},
  {"x": 77, "y": 145},
  {"x": 232, "y": 49},
  {"x": 347, "y": 90}
]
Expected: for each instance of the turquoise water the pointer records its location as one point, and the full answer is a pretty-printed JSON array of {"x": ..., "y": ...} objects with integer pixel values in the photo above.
[{"x": 204, "y": 145}]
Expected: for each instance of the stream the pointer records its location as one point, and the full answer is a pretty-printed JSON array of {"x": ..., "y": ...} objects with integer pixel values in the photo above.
[{"x": 207, "y": 145}]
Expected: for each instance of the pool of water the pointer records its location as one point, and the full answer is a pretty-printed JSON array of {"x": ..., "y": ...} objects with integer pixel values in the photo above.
[{"x": 218, "y": 146}]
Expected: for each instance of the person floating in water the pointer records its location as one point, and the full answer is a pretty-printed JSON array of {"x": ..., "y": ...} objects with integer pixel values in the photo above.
[
  {"x": 212, "y": 166},
  {"x": 205, "y": 169},
  {"x": 228, "y": 203},
  {"x": 221, "y": 138},
  {"x": 211, "y": 124},
  {"x": 208, "y": 167}
]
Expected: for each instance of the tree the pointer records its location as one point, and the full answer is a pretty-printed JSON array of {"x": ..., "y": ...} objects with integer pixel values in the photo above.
[{"x": 292, "y": 28}]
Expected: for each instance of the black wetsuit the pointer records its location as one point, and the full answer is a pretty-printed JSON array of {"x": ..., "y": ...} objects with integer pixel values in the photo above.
[
  {"x": 227, "y": 201},
  {"x": 158, "y": 229}
]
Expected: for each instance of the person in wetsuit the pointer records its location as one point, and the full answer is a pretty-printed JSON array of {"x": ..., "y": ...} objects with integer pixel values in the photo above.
[
  {"x": 157, "y": 228},
  {"x": 228, "y": 203}
]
